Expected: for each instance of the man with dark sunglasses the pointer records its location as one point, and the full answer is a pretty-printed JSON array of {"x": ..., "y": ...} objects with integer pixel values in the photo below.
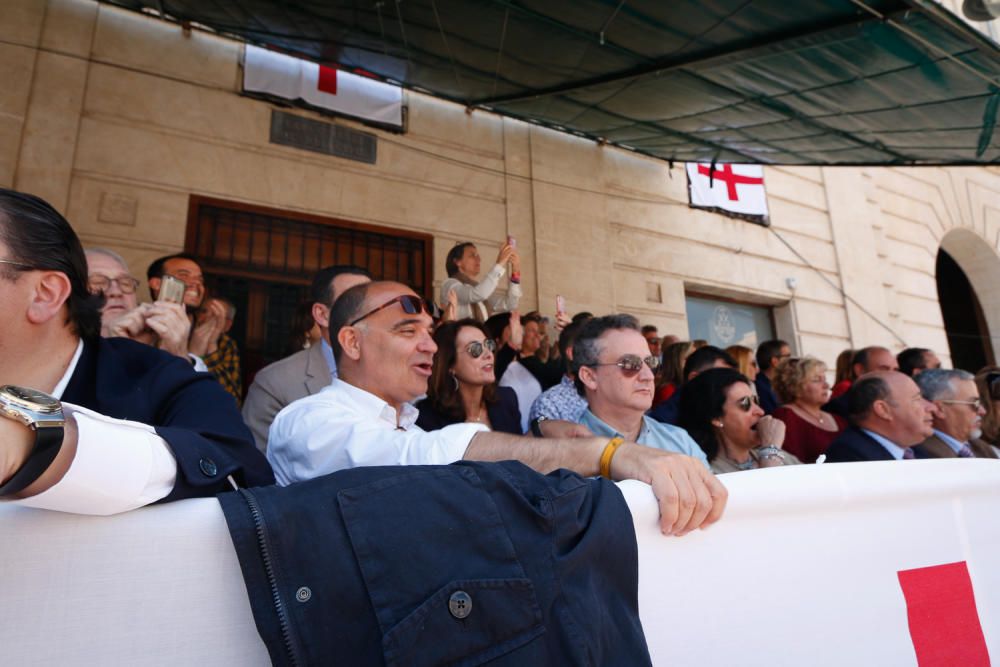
[
  {"x": 615, "y": 372},
  {"x": 381, "y": 337}
]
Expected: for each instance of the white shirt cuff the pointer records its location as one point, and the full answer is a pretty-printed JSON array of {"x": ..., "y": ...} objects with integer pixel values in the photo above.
[
  {"x": 119, "y": 465},
  {"x": 199, "y": 363}
]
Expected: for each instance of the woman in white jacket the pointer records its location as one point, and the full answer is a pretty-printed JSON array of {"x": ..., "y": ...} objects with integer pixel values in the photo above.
[{"x": 478, "y": 299}]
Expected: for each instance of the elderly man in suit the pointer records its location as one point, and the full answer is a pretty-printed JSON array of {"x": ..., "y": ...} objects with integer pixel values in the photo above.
[
  {"x": 889, "y": 419},
  {"x": 958, "y": 414},
  {"x": 98, "y": 425},
  {"x": 307, "y": 371}
]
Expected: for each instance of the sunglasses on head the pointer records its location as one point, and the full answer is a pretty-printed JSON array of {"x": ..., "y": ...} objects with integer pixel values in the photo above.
[
  {"x": 747, "y": 402},
  {"x": 476, "y": 348},
  {"x": 631, "y": 364},
  {"x": 411, "y": 304}
]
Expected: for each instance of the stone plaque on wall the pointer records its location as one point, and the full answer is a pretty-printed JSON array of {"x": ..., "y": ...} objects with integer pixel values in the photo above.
[
  {"x": 288, "y": 129},
  {"x": 117, "y": 209}
]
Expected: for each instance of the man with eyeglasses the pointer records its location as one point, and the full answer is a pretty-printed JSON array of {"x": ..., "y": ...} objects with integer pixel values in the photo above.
[
  {"x": 160, "y": 324},
  {"x": 889, "y": 419},
  {"x": 381, "y": 337},
  {"x": 616, "y": 373},
  {"x": 96, "y": 425},
  {"x": 958, "y": 414}
]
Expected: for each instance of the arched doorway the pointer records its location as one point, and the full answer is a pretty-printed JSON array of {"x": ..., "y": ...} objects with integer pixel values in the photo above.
[{"x": 968, "y": 276}]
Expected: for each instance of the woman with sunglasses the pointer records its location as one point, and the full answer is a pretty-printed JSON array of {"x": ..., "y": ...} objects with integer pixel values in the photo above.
[
  {"x": 802, "y": 386},
  {"x": 720, "y": 411},
  {"x": 463, "y": 386}
]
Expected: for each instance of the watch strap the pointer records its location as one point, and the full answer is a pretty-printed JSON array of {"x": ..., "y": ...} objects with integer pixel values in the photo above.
[{"x": 48, "y": 442}]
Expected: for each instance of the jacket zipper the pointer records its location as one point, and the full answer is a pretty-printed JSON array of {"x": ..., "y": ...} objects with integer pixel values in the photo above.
[{"x": 279, "y": 605}]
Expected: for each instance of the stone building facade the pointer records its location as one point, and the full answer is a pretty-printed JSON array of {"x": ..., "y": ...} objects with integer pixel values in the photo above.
[{"x": 119, "y": 119}]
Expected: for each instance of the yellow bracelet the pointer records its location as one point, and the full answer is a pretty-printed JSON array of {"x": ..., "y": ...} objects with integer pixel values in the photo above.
[{"x": 608, "y": 454}]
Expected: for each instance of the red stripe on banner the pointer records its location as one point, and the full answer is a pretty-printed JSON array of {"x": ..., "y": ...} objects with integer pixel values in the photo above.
[
  {"x": 327, "y": 82},
  {"x": 944, "y": 623}
]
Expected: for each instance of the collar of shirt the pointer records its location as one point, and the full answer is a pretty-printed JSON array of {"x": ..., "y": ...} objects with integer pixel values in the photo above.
[
  {"x": 600, "y": 427},
  {"x": 955, "y": 445},
  {"x": 889, "y": 445},
  {"x": 374, "y": 406},
  {"x": 328, "y": 355},
  {"x": 61, "y": 386},
  {"x": 567, "y": 381}
]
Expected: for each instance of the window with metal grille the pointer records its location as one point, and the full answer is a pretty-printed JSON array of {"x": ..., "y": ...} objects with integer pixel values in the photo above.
[{"x": 263, "y": 260}]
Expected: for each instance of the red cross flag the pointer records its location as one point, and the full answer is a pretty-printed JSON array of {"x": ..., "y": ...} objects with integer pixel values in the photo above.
[
  {"x": 729, "y": 188},
  {"x": 325, "y": 87}
]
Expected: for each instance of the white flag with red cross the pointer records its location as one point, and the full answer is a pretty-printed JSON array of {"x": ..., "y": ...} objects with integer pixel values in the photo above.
[
  {"x": 325, "y": 87},
  {"x": 730, "y": 188}
]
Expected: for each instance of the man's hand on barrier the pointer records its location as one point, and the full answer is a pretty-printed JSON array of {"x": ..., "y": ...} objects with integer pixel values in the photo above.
[{"x": 688, "y": 494}]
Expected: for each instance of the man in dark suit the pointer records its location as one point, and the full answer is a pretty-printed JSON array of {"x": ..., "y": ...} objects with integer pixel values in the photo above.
[
  {"x": 958, "y": 415},
  {"x": 889, "y": 418},
  {"x": 137, "y": 424},
  {"x": 307, "y": 371}
]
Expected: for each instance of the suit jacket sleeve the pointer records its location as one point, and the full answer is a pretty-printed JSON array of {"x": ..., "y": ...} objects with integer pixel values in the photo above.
[{"x": 260, "y": 407}]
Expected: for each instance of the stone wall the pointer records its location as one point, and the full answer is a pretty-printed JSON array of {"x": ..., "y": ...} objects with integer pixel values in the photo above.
[{"x": 118, "y": 118}]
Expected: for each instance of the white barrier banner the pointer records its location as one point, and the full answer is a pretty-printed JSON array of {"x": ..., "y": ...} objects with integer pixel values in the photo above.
[
  {"x": 883, "y": 563},
  {"x": 292, "y": 78}
]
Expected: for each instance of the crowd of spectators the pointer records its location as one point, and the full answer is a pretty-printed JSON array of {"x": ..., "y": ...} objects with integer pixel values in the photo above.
[{"x": 150, "y": 391}]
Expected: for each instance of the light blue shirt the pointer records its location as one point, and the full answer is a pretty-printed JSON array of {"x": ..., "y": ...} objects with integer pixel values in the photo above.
[
  {"x": 955, "y": 445},
  {"x": 328, "y": 355},
  {"x": 895, "y": 450},
  {"x": 652, "y": 433}
]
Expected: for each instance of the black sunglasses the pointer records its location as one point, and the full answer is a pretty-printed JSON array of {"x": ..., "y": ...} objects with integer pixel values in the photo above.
[
  {"x": 631, "y": 364},
  {"x": 412, "y": 305},
  {"x": 476, "y": 348},
  {"x": 747, "y": 402}
]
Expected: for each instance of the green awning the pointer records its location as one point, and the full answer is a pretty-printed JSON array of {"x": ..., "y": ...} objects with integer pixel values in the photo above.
[{"x": 821, "y": 82}]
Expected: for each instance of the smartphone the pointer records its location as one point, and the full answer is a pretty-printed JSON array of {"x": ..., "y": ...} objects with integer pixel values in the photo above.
[
  {"x": 511, "y": 241},
  {"x": 560, "y": 304},
  {"x": 172, "y": 289}
]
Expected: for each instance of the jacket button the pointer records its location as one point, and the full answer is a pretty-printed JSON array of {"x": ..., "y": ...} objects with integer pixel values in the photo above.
[
  {"x": 208, "y": 467},
  {"x": 460, "y": 604}
]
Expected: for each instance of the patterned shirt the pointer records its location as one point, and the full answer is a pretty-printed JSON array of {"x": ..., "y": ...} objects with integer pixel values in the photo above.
[
  {"x": 562, "y": 401},
  {"x": 224, "y": 364}
]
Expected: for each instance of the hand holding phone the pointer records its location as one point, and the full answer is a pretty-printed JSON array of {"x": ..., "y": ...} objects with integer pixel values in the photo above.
[{"x": 560, "y": 305}]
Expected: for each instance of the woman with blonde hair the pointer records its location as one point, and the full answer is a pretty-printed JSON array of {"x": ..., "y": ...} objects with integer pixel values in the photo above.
[
  {"x": 802, "y": 386},
  {"x": 745, "y": 360}
]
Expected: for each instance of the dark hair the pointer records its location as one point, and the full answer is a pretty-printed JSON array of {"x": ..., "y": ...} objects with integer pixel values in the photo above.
[
  {"x": 585, "y": 348},
  {"x": 455, "y": 256},
  {"x": 702, "y": 400},
  {"x": 156, "y": 269},
  {"x": 566, "y": 338},
  {"x": 40, "y": 237},
  {"x": 346, "y": 308},
  {"x": 704, "y": 358},
  {"x": 911, "y": 359},
  {"x": 585, "y": 315},
  {"x": 533, "y": 316},
  {"x": 845, "y": 371},
  {"x": 496, "y": 324},
  {"x": 768, "y": 350},
  {"x": 302, "y": 324},
  {"x": 321, "y": 288},
  {"x": 648, "y": 328},
  {"x": 863, "y": 394},
  {"x": 672, "y": 369},
  {"x": 442, "y": 393},
  {"x": 861, "y": 356}
]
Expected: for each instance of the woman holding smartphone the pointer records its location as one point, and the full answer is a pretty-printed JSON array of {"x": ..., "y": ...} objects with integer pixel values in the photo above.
[
  {"x": 463, "y": 386},
  {"x": 478, "y": 298}
]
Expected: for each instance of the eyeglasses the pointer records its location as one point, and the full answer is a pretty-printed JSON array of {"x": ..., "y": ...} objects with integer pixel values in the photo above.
[
  {"x": 747, "y": 402},
  {"x": 20, "y": 265},
  {"x": 476, "y": 348},
  {"x": 100, "y": 283},
  {"x": 412, "y": 305},
  {"x": 631, "y": 364},
  {"x": 972, "y": 405}
]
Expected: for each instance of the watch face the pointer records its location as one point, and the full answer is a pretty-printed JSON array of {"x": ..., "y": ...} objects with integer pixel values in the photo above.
[{"x": 31, "y": 399}]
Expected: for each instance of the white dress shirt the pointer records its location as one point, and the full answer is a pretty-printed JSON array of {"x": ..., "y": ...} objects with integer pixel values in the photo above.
[
  {"x": 119, "y": 465},
  {"x": 343, "y": 427}
]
